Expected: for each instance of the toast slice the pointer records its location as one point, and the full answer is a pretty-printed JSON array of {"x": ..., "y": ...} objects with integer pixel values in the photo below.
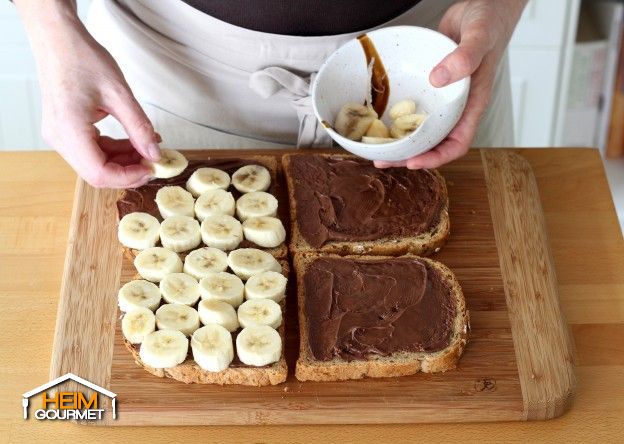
[
  {"x": 422, "y": 243},
  {"x": 143, "y": 197},
  {"x": 191, "y": 373},
  {"x": 397, "y": 363}
]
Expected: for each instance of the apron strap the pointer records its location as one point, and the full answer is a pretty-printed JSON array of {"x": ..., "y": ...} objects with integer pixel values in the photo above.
[{"x": 269, "y": 81}]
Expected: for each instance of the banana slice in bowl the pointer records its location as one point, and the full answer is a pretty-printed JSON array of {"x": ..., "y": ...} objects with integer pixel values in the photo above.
[
  {"x": 256, "y": 204},
  {"x": 153, "y": 264},
  {"x": 137, "y": 324},
  {"x": 212, "y": 348},
  {"x": 164, "y": 349},
  {"x": 258, "y": 345},
  {"x": 204, "y": 261},
  {"x": 171, "y": 164},
  {"x": 213, "y": 203},
  {"x": 178, "y": 317},
  {"x": 204, "y": 179},
  {"x": 223, "y": 286},
  {"x": 180, "y": 233},
  {"x": 179, "y": 288},
  {"x": 138, "y": 294},
  {"x": 175, "y": 201},
  {"x": 265, "y": 231},
  {"x": 138, "y": 230},
  {"x": 221, "y": 231},
  {"x": 266, "y": 285},
  {"x": 251, "y": 178},
  {"x": 245, "y": 262},
  {"x": 260, "y": 312}
]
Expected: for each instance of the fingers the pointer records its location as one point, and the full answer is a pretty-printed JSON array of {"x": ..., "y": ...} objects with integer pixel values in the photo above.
[
  {"x": 111, "y": 165},
  {"x": 459, "y": 139},
  {"x": 386, "y": 164},
  {"x": 463, "y": 61},
  {"x": 125, "y": 108},
  {"x": 114, "y": 175}
]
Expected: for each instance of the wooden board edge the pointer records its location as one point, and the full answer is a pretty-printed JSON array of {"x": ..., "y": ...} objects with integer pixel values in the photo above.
[
  {"x": 545, "y": 367},
  {"x": 316, "y": 416},
  {"x": 85, "y": 323}
]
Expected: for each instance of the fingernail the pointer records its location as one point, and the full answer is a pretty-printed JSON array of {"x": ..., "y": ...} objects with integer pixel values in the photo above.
[
  {"x": 154, "y": 151},
  {"x": 440, "y": 76},
  {"x": 381, "y": 164}
]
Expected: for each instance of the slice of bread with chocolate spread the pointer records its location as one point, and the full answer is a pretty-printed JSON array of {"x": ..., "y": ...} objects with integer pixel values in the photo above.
[
  {"x": 364, "y": 316},
  {"x": 342, "y": 204},
  {"x": 143, "y": 198}
]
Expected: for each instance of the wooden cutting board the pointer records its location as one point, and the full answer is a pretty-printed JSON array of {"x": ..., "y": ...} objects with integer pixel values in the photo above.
[{"x": 518, "y": 364}]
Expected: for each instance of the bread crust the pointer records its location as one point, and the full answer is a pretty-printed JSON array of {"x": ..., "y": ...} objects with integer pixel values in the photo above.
[
  {"x": 424, "y": 244},
  {"x": 191, "y": 373},
  {"x": 396, "y": 364}
]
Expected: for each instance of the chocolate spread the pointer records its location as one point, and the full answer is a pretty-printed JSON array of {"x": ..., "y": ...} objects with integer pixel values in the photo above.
[
  {"x": 339, "y": 199},
  {"x": 358, "y": 308},
  {"x": 142, "y": 198}
]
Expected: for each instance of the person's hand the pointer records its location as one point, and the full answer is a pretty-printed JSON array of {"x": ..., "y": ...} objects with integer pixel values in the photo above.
[
  {"x": 80, "y": 85},
  {"x": 482, "y": 28}
]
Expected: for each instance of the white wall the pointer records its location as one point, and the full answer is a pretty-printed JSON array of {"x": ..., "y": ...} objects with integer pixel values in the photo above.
[{"x": 20, "y": 109}]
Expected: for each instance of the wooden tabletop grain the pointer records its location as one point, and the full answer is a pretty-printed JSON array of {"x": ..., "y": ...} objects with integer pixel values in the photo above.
[{"x": 36, "y": 193}]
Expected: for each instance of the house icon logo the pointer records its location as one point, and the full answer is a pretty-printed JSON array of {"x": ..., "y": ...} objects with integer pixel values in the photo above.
[{"x": 72, "y": 405}]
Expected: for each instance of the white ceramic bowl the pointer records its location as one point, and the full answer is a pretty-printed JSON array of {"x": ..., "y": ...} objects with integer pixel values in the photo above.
[{"x": 408, "y": 53}]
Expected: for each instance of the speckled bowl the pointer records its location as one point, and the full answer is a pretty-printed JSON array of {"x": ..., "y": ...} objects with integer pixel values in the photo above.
[{"x": 409, "y": 53}]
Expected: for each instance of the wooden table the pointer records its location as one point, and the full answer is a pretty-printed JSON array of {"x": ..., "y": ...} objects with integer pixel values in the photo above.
[{"x": 36, "y": 194}]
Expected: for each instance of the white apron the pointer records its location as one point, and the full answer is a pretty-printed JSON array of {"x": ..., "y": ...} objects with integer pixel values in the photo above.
[{"x": 206, "y": 83}]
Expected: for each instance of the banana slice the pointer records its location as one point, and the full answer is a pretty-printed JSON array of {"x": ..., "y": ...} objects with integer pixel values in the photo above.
[
  {"x": 138, "y": 230},
  {"x": 179, "y": 288},
  {"x": 260, "y": 312},
  {"x": 354, "y": 120},
  {"x": 267, "y": 232},
  {"x": 224, "y": 287},
  {"x": 178, "y": 317},
  {"x": 213, "y": 348},
  {"x": 251, "y": 178},
  {"x": 171, "y": 164},
  {"x": 402, "y": 108},
  {"x": 180, "y": 233},
  {"x": 138, "y": 323},
  {"x": 200, "y": 263},
  {"x": 258, "y": 345},
  {"x": 175, "y": 201},
  {"x": 138, "y": 294},
  {"x": 377, "y": 129},
  {"x": 266, "y": 285},
  {"x": 397, "y": 133},
  {"x": 222, "y": 232},
  {"x": 410, "y": 122},
  {"x": 256, "y": 204},
  {"x": 377, "y": 140},
  {"x": 164, "y": 349},
  {"x": 204, "y": 179},
  {"x": 213, "y": 203},
  {"x": 214, "y": 311},
  {"x": 245, "y": 262},
  {"x": 155, "y": 263}
]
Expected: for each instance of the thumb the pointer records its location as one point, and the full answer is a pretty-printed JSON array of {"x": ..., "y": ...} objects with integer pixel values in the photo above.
[
  {"x": 463, "y": 61},
  {"x": 138, "y": 126}
]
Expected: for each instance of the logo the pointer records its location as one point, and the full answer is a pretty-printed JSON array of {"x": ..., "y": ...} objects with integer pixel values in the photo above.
[{"x": 69, "y": 405}]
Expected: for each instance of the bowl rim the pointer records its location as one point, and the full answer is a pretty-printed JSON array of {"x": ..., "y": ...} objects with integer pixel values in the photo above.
[{"x": 464, "y": 83}]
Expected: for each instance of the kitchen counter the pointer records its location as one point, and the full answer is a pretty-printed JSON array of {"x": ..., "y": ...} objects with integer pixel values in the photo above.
[{"x": 36, "y": 195}]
